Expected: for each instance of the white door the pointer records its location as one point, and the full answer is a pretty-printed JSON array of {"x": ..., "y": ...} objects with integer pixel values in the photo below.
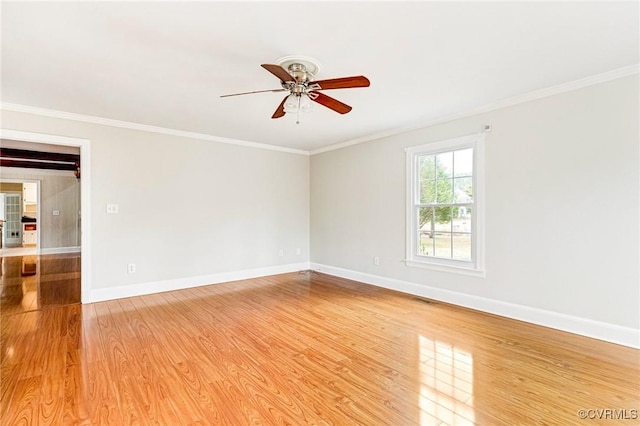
[{"x": 12, "y": 227}]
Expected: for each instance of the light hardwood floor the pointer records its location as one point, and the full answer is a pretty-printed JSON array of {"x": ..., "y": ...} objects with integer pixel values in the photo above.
[{"x": 303, "y": 349}]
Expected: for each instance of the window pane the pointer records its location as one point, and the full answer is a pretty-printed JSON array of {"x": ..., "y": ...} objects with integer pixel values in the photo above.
[
  {"x": 444, "y": 165},
  {"x": 463, "y": 162},
  {"x": 462, "y": 219},
  {"x": 427, "y": 167},
  {"x": 425, "y": 231},
  {"x": 463, "y": 191},
  {"x": 425, "y": 220},
  {"x": 425, "y": 247},
  {"x": 462, "y": 246},
  {"x": 443, "y": 245},
  {"x": 444, "y": 191},
  {"x": 427, "y": 192},
  {"x": 443, "y": 217}
]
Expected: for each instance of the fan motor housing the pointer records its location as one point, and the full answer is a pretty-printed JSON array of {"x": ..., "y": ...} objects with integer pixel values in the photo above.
[{"x": 299, "y": 72}]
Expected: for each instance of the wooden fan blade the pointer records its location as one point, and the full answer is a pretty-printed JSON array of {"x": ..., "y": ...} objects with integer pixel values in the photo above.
[
  {"x": 280, "y": 110},
  {"x": 329, "y": 102},
  {"x": 341, "y": 83},
  {"x": 255, "y": 91},
  {"x": 278, "y": 71}
]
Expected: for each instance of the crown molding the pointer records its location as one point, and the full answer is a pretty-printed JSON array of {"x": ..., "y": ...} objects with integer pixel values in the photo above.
[
  {"x": 515, "y": 100},
  {"x": 143, "y": 127}
]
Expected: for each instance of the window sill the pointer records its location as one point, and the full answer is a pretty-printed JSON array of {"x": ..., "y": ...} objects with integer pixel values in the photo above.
[{"x": 480, "y": 273}]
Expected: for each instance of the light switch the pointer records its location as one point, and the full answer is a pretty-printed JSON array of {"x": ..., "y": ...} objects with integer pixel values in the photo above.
[
  {"x": 112, "y": 208},
  {"x": 56, "y": 212}
]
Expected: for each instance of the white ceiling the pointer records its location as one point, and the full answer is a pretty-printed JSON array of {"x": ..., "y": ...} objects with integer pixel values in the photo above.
[{"x": 166, "y": 63}]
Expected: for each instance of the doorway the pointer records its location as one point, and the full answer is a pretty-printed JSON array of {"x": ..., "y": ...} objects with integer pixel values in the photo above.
[
  {"x": 35, "y": 276},
  {"x": 83, "y": 262}
]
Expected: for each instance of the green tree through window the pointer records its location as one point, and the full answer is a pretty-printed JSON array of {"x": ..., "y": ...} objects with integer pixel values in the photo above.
[{"x": 445, "y": 197}]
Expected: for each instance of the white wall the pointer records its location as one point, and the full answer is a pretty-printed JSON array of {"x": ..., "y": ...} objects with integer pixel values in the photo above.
[
  {"x": 188, "y": 209},
  {"x": 562, "y": 188}
]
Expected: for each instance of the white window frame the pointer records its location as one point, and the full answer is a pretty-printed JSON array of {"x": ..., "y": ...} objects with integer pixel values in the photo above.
[{"x": 475, "y": 267}]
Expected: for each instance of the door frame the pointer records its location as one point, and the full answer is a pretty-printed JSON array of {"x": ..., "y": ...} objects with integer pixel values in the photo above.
[{"x": 85, "y": 196}]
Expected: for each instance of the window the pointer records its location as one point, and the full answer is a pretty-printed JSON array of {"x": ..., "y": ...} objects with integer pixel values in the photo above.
[{"x": 444, "y": 208}]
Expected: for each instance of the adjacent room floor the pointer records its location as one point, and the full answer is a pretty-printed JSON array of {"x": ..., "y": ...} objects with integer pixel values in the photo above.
[{"x": 32, "y": 282}]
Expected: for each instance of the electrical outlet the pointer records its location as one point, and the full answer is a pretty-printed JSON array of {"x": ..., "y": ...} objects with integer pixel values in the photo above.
[
  {"x": 112, "y": 208},
  {"x": 280, "y": 252},
  {"x": 376, "y": 260},
  {"x": 298, "y": 252},
  {"x": 131, "y": 268},
  {"x": 56, "y": 212}
]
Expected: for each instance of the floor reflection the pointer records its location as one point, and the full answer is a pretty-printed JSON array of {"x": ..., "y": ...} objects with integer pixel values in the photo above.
[
  {"x": 446, "y": 384},
  {"x": 32, "y": 282}
]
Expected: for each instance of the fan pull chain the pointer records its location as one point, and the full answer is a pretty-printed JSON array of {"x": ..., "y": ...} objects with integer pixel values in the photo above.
[{"x": 298, "y": 111}]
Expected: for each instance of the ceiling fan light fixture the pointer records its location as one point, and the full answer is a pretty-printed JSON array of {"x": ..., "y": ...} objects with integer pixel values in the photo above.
[
  {"x": 305, "y": 103},
  {"x": 291, "y": 104}
]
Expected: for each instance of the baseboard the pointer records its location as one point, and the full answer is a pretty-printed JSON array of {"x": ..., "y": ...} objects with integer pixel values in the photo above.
[
  {"x": 59, "y": 250},
  {"x": 120, "y": 292},
  {"x": 585, "y": 327}
]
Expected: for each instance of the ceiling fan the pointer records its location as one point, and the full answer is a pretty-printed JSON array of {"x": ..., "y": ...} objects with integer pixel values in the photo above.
[{"x": 296, "y": 77}]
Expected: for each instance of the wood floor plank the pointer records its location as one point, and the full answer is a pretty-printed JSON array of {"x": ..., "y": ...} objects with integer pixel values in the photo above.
[
  {"x": 302, "y": 348},
  {"x": 23, "y": 405}
]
